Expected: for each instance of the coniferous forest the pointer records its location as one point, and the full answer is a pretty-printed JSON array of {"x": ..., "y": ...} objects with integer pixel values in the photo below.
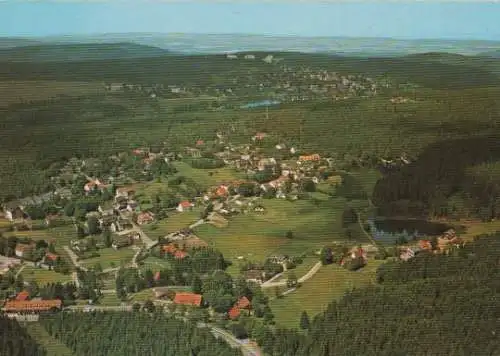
[
  {"x": 15, "y": 340},
  {"x": 430, "y": 305},
  {"x": 138, "y": 333}
]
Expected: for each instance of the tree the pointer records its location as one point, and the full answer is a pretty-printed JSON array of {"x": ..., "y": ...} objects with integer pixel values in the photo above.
[
  {"x": 136, "y": 307},
  {"x": 108, "y": 239},
  {"x": 307, "y": 185},
  {"x": 289, "y": 234},
  {"x": 349, "y": 216},
  {"x": 93, "y": 224},
  {"x": 326, "y": 256},
  {"x": 196, "y": 285},
  {"x": 149, "y": 306},
  {"x": 69, "y": 209},
  {"x": 291, "y": 280},
  {"x": 304, "y": 321}
]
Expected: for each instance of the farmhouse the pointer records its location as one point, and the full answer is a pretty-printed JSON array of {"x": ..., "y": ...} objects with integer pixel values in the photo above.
[
  {"x": 254, "y": 275},
  {"x": 310, "y": 158},
  {"x": 186, "y": 298},
  {"x": 242, "y": 304},
  {"x": 32, "y": 305},
  {"x": 92, "y": 185}
]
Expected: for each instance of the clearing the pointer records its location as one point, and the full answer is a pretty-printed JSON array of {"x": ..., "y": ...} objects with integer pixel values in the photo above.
[
  {"x": 43, "y": 276},
  {"x": 329, "y": 283},
  {"x": 110, "y": 257},
  {"x": 208, "y": 177}
]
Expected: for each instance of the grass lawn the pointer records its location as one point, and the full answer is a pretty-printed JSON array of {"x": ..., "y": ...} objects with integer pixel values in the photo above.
[
  {"x": 43, "y": 276},
  {"x": 155, "y": 264},
  {"x": 329, "y": 283},
  {"x": 108, "y": 256},
  {"x": 53, "y": 346},
  {"x": 208, "y": 177},
  {"x": 367, "y": 177},
  {"x": 301, "y": 269},
  {"x": 109, "y": 299},
  {"x": 4, "y": 223},
  {"x": 175, "y": 222},
  {"x": 147, "y": 294},
  {"x": 256, "y": 236}
]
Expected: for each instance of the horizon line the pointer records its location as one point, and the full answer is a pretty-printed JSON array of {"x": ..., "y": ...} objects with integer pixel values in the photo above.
[{"x": 454, "y": 39}]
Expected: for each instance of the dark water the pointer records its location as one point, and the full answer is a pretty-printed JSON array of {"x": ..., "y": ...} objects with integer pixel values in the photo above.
[{"x": 411, "y": 226}]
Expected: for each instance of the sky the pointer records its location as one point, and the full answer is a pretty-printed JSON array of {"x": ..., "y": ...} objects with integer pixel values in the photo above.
[{"x": 411, "y": 20}]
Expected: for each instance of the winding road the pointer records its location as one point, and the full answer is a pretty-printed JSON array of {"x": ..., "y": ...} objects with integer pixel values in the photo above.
[{"x": 305, "y": 277}]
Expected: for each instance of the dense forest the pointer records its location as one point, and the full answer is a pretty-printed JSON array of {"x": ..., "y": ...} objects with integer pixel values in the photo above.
[
  {"x": 15, "y": 340},
  {"x": 138, "y": 333},
  {"x": 430, "y": 305},
  {"x": 454, "y": 178}
]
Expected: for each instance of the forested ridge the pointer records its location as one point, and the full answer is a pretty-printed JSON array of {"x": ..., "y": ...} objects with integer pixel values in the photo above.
[
  {"x": 138, "y": 333},
  {"x": 15, "y": 340},
  {"x": 440, "y": 183},
  {"x": 430, "y": 305}
]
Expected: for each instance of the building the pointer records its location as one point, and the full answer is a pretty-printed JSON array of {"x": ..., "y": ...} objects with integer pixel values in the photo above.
[
  {"x": 22, "y": 296},
  {"x": 310, "y": 158},
  {"x": 184, "y": 206},
  {"x": 242, "y": 304},
  {"x": 186, "y": 298},
  {"x": 21, "y": 249},
  {"x": 33, "y": 306},
  {"x": 145, "y": 218}
]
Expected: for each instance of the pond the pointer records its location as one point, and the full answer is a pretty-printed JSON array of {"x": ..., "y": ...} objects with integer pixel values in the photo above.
[
  {"x": 256, "y": 104},
  {"x": 388, "y": 231}
]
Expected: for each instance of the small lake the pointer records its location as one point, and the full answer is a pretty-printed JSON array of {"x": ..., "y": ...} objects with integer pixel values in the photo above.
[
  {"x": 256, "y": 104},
  {"x": 411, "y": 226},
  {"x": 388, "y": 231}
]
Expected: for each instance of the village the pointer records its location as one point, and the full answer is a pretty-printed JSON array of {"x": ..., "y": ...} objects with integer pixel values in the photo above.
[{"x": 151, "y": 250}]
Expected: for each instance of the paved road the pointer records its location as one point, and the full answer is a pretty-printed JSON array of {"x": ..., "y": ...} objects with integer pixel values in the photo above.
[
  {"x": 309, "y": 274},
  {"x": 197, "y": 223}
]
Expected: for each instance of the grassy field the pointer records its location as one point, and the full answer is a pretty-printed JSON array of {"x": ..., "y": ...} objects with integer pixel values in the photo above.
[
  {"x": 329, "y": 283},
  {"x": 13, "y": 92},
  {"x": 53, "y": 346},
  {"x": 208, "y": 177},
  {"x": 256, "y": 236},
  {"x": 108, "y": 256},
  {"x": 301, "y": 269},
  {"x": 367, "y": 177},
  {"x": 173, "y": 223},
  {"x": 155, "y": 264},
  {"x": 42, "y": 276}
]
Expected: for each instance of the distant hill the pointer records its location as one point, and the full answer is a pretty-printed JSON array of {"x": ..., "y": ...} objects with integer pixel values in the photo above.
[
  {"x": 493, "y": 54},
  {"x": 11, "y": 42},
  {"x": 79, "y": 52}
]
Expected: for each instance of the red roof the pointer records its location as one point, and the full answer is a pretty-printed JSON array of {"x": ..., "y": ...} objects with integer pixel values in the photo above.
[
  {"x": 185, "y": 204},
  {"x": 180, "y": 254},
  {"x": 234, "y": 312},
  {"x": 22, "y": 296},
  {"x": 243, "y": 303},
  {"x": 157, "y": 276},
  {"x": 32, "y": 305},
  {"x": 199, "y": 142},
  {"x": 188, "y": 299},
  {"x": 51, "y": 256}
]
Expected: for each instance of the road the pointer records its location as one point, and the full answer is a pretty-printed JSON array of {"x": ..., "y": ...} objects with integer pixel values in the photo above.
[
  {"x": 195, "y": 224},
  {"x": 247, "y": 349},
  {"x": 305, "y": 277}
]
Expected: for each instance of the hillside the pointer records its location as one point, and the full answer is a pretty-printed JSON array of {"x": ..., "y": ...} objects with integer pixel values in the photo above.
[
  {"x": 126, "y": 62},
  {"x": 78, "y": 52},
  {"x": 430, "y": 305}
]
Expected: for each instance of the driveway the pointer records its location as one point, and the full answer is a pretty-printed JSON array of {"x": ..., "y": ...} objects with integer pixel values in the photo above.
[{"x": 305, "y": 277}]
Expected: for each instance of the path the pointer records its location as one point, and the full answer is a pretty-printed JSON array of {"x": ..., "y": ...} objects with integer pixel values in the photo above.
[
  {"x": 196, "y": 224},
  {"x": 74, "y": 258},
  {"x": 230, "y": 339},
  {"x": 305, "y": 277}
]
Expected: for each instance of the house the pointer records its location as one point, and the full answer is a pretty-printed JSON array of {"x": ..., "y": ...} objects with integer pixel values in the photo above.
[
  {"x": 222, "y": 191},
  {"x": 259, "y": 136},
  {"x": 242, "y": 304},
  {"x": 21, "y": 249},
  {"x": 309, "y": 158},
  {"x": 425, "y": 245},
  {"x": 184, "y": 206},
  {"x": 358, "y": 252},
  {"x": 186, "y": 298},
  {"x": 249, "y": 56},
  {"x": 231, "y": 56},
  {"x": 50, "y": 258},
  {"x": 200, "y": 143},
  {"x": 180, "y": 255},
  {"x": 24, "y": 295},
  {"x": 145, "y": 218},
  {"x": 17, "y": 306},
  {"x": 132, "y": 206},
  {"x": 409, "y": 253},
  {"x": 125, "y": 192},
  {"x": 122, "y": 242},
  {"x": 254, "y": 275},
  {"x": 92, "y": 185},
  {"x": 266, "y": 163}
]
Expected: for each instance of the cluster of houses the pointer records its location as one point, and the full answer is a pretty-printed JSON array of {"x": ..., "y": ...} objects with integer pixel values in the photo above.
[
  {"x": 443, "y": 245},
  {"x": 21, "y": 304},
  {"x": 179, "y": 298}
]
